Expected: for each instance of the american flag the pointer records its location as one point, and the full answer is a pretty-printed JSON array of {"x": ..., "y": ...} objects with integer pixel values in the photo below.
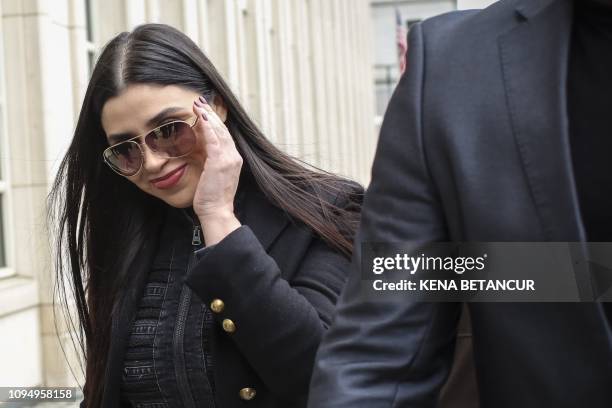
[{"x": 401, "y": 40}]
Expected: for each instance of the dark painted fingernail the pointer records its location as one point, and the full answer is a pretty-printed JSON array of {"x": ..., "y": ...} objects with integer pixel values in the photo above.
[
  {"x": 204, "y": 116},
  {"x": 197, "y": 103},
  {"x": 203, "y": 100}
]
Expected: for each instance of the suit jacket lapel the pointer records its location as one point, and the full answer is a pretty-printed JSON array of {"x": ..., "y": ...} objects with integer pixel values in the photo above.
[{"x": 534, "y": 57}]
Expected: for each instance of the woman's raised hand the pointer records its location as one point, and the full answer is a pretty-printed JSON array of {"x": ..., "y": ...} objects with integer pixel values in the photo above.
[{"x": 213, "y": 201}]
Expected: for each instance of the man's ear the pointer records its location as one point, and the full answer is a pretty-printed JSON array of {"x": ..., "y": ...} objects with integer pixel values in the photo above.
[{"x": 219, "y": 107}]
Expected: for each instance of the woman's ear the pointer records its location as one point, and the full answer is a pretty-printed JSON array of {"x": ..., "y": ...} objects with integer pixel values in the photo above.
[{"x": 219, "y": 107}]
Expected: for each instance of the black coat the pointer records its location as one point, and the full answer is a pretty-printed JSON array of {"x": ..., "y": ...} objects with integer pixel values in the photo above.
[{"x": 279, "y": 284}]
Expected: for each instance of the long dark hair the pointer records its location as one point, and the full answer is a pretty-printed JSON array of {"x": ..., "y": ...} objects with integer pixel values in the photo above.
[{"x": 100, "y": 219}]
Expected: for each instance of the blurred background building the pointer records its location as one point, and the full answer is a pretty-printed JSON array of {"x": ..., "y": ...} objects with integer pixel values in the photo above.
[
  {"x": 315, "y": 74},
  {"x": 385, "y": 22}
]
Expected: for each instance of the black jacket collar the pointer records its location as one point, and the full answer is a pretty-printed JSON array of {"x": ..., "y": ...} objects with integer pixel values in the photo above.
[{"x": 534, "y": 60}]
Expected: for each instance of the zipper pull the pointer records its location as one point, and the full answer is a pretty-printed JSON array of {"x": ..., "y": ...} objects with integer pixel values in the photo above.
[{"x": 197, "y": 237}]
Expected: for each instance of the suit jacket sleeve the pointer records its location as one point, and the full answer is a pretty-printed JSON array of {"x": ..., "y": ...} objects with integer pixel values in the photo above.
[
  {"x": 279, "y": 323},
  {"x": 388, "y": 352}
]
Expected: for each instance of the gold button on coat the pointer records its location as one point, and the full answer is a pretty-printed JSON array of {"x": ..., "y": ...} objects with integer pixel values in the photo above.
[
  {"x": 217, "y": 305},
  {"x": 229, "y": 326},
  {"x": 247, "y": 393}
]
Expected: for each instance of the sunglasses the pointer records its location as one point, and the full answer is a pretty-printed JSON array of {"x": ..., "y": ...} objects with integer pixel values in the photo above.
[{"x": 170, "y": 140}]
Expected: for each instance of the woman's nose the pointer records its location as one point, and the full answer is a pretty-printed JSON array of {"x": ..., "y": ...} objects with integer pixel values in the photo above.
[{"x": 153, "y": 162}]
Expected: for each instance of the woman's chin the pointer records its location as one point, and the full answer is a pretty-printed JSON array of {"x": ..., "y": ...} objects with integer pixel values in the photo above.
[
  {"x": 179, "y": 202},
  {"x": 179, "y": 199}
]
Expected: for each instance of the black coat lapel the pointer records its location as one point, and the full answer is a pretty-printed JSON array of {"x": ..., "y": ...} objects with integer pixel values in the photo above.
[
  {"x": 255, "y": 210},
  {"x": 534, "y": 58}
]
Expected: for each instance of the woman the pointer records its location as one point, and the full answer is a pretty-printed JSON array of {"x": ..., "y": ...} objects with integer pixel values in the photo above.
[{"x": 205, "y": 262}]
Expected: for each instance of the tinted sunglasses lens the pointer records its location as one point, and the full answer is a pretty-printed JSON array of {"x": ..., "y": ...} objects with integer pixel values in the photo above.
[
  {"x": 125, "y": 158},
  {"x": 174, "y": 139}
]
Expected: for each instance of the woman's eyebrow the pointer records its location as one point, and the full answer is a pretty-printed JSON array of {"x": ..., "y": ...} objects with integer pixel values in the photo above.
[
  {"x": 151, "y": 123},
  {"x": 163, "y": 115}
]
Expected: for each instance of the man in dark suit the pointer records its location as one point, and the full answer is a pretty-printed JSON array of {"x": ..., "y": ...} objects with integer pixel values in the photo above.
[{"x": 500, "y": 130}]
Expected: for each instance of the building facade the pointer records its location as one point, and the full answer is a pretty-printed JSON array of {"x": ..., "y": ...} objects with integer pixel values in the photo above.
[{"x": 302, "y": 69}]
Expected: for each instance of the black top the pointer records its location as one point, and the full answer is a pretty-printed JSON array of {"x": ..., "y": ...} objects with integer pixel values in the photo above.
[
  {"x": 168, "y": 362},
  {"x": 590, "y": 114}
]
